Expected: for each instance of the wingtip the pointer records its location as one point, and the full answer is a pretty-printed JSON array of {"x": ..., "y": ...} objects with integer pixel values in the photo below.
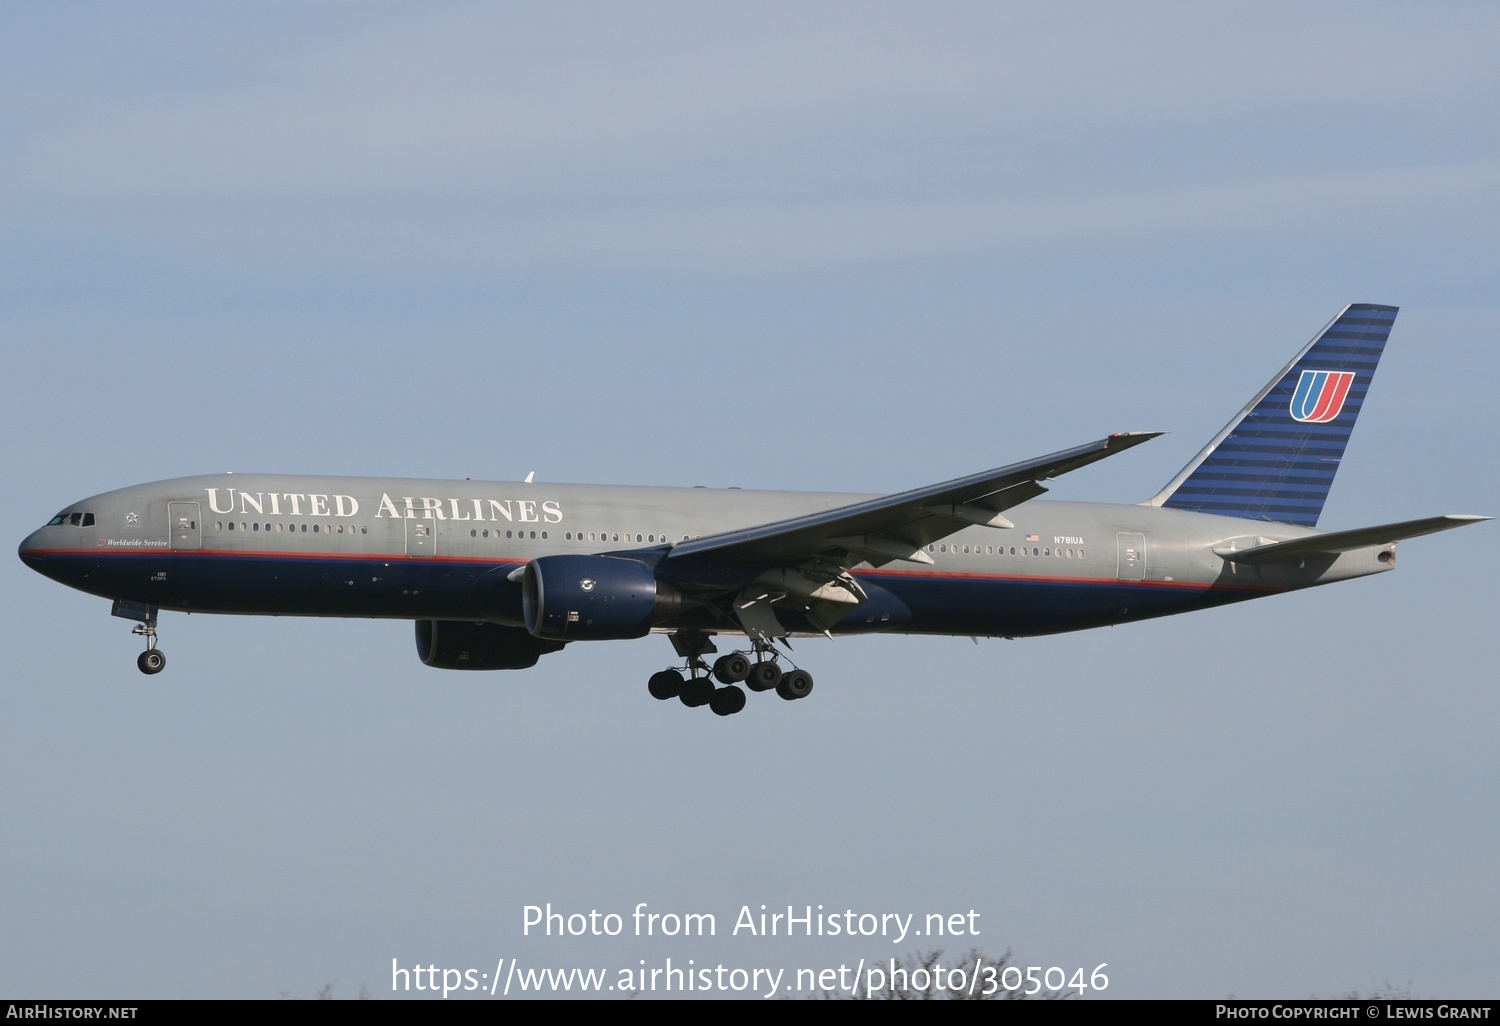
[{"x": 1133, "y": 437}]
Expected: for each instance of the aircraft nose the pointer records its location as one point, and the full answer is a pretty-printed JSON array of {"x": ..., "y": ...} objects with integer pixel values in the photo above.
[{"x": 31, "y": 552}]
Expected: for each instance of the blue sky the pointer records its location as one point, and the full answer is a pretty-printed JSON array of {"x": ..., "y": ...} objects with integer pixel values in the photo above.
[{"x": 857, "y": 246}]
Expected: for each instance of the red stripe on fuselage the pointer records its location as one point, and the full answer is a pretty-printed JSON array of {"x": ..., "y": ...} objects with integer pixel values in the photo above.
[{"x": 935, "y": 575}]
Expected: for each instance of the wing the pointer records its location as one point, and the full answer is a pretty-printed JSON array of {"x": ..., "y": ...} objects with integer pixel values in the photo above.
[
  {"x": 802, "y": 564},
  {"x": 900, "y": 526}
]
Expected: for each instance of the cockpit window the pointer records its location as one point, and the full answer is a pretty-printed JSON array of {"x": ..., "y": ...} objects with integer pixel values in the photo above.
[
  {"x": 75, "y": 519},
  {"x": 61, "y": 518}
]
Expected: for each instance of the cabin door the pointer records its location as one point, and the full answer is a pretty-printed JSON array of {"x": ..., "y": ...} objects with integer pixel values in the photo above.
[
  {"x": 421, "y": 537},
  {"x": 183, "y": 525},
  {"x": 1132, "y": 566}
]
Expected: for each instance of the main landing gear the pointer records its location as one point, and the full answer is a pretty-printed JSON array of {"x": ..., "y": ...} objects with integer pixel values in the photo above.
[{"x": 758, "y": 670}]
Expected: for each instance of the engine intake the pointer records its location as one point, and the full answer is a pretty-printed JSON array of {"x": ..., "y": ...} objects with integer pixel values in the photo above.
[{"x": 594, "y": 598}]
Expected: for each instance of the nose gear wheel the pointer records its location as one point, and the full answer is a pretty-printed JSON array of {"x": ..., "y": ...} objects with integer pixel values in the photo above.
[{"x": 153, "y": 660}]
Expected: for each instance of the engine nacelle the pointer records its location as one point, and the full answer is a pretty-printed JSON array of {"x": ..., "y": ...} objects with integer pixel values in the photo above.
[
  {"x": 593, "y": 598},
  {"x": 462, "y": 645}
]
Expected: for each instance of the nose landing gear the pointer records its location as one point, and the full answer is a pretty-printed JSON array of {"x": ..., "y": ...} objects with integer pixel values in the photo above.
[{"x": 153, "y": 660}]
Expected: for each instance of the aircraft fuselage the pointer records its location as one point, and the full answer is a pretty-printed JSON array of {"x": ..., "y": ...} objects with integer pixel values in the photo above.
[
  {"x": 495, "y": 575},
  {"x": 432, "y": 549}
]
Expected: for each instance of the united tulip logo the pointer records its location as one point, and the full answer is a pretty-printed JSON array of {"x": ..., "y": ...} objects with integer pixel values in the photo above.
[{"x": 1320, "y": 395}]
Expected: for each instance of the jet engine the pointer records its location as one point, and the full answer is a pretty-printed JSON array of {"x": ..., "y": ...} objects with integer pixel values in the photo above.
[
  {"x": 462, "y": 645},
  {"x": 594, "y": 598}
]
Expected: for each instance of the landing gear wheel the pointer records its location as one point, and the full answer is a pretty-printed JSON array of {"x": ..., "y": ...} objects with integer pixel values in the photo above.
[
  {"x": 727, "y": 701},
  {"x": 666, "y": 684},
  {"x": 151, "y": 661},
  {"x": 732, "y": 668},
  {"x": 696, "y": 692},
  {"x": 764, "y": 676},
  {"x": 795, "y": 685}
]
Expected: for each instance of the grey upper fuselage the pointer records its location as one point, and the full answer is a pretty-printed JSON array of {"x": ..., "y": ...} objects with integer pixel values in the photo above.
[{"x": 418, "y": 549}]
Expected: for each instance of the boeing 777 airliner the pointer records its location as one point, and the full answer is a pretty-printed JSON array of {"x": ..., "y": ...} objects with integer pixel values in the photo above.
[{"x": 496, "y": 575}]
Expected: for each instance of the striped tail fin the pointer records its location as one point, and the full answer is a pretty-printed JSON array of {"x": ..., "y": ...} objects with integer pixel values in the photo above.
[{"x": 1276, "y": 459}]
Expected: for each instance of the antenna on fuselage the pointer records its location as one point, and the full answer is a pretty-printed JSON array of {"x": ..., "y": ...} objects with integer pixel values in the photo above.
[{"x": 529, "y": 476}]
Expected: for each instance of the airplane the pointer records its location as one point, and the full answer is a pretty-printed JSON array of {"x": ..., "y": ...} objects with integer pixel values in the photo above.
[{"x": 497, "y": 575}]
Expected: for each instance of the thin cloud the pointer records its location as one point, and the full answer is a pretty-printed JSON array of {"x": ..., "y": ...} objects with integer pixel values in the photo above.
[{"x": 522, "y": 95}]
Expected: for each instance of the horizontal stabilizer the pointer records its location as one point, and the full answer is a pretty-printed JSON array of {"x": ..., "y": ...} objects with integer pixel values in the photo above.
[{"x": 1345, "y": 541}]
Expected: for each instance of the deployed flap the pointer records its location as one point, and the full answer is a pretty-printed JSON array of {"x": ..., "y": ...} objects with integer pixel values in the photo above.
[
  {"x": 897, "y": 526},
  {"x": 1345, "y": 541}
]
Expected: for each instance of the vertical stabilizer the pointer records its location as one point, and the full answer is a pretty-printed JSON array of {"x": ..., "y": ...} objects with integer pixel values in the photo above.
[{"x": 1276, "y": 459}]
